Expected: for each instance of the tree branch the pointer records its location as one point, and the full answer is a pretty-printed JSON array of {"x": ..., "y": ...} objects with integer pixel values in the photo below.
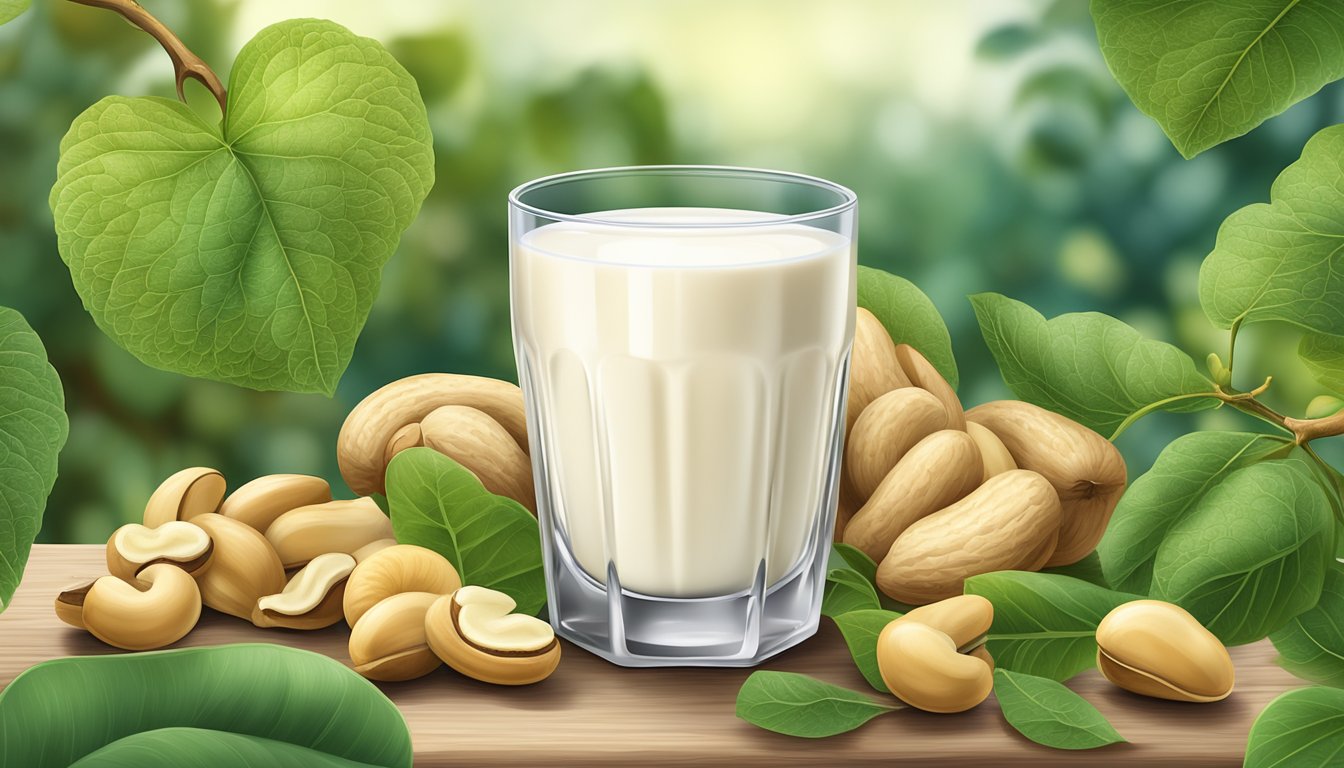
[
  {"x": 1310, "y": 429},
  {"x": 185, "y": 63}
]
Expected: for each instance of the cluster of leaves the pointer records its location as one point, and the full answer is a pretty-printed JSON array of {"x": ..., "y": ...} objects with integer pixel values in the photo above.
[{"x": 246, "y": 704}]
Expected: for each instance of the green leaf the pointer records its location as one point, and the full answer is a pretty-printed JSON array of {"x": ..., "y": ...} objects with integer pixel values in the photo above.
[
  {"x": 1088, "y": 569},
  {"x": 1087, "y": 366},
  {"x": 847, "y": 590},
  {"x": 847, "y": 556},
  {"x": 1044, "y": 624},
  {"x": 1210, "y": 70},
  {"x": 1311, "y": 645},
  {"x": 59, "y": 711},
  {"x": 1048, "y": 713},
  {"x": 1251, "y": 554},
  {"x": 199, "y": 748},
  {"x": 909, "y": 317},
  {"x": 798, "y": 705},
  {"x": 1323, "y": 355},
  {"x": 493, "y": 541},
  {"x": 1185, "y": 470},
  {"x": 861, "y": 629},
  {"x": 33, "y": 428},
  {"x": 249, "y": 252},
  {"x": 12, "y": 9},
  {"x": 1301, "y": 728},
  {"x": 1281, "y": 260},
  {"x": 1006, "y": 42}
]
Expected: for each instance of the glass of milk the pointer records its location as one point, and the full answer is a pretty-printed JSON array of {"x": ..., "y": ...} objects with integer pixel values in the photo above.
[{"x": 682, "y": 336}]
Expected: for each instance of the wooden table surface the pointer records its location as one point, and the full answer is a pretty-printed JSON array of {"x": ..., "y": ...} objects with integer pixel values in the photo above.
[{"x": 593, "y": 713}]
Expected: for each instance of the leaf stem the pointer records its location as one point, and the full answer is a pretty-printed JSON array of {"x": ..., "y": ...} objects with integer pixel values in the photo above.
[
  {"x": 1156, "y": 406},
  {"x": 1232, "y": 344},
  {"x": 185, "y": 63}
]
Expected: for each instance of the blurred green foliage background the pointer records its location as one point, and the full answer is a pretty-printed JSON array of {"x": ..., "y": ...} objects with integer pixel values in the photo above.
[{"x": 989, "y": 146}]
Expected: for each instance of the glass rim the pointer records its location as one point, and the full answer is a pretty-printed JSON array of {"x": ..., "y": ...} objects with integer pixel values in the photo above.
[{"x": 848, "y": 199}]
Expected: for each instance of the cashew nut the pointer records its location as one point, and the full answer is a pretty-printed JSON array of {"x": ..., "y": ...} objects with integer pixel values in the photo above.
[
  {"x": 886, "y": 430},
  {"x": 479, "y": 443},
  {"x": 312, "y": 597},
  {"x": 1158, "y": 649},
  {"x": 244, "y": 567},
  {"x": 137, "y": 619},
  {"x": 260, "y": 501},
  {"x": 133, "y": 547},
  {"x": 393, "y": 570},
  {"x": 922, "y": 667},
  {"x": 364, "y": 445},
  {"x": 475, "y": 631},
  {"x": 922, "y": 374},
  {"x": 873, "y": 367},
  {"x": 188, "y": 493},
  {"x": 344, "y": 525},
  {"x": 388, "y": 642}
]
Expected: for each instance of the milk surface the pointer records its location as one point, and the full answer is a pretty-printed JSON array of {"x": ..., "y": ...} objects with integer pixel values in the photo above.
[{"x": 688, "y": 381}]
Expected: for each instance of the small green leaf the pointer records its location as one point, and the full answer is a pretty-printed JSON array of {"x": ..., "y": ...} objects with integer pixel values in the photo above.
[
  {"x": 1281, "y": 260},
  {"x": 200, "y": 748},
  {"x": 1044, "y": 624},
  {"x": 33, "y": 428},
  {"x": 59, "y": 711},
  {"x": 1302, "y": 729},
  {"x": 1311, "y": 645},
  {"x": 1211, "y": 70},
  {"x": 909, "y": 317},
  {"x": 1088, "y": 569},
  {"x": 847, "y": 590},
  {"x": 1323, "y": 355},
  {"x": 847, "y": 556},
  {"x": 1185, "y": 470},
  {"x": 1050, "y": 714},
  {"x": 248, "y": 252},
  {"x": 1322, "y": 406},
  {"x": 1087, "y": 366},
  {"x": 861, "y": 629},
  {"x": 492, "y": 540},
  {"x": 12, "y": 9},
  {"x": 1006, "y": 42},
  {"x": 1251, "y": 553},
  {"x": 798, "y": 705}
]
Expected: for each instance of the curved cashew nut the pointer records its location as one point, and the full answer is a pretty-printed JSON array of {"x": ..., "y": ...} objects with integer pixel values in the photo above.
[
  {"x": 369, "y": 431},
  {"x": 164, "y": 612},
  {"x": 923, "y": 668}
]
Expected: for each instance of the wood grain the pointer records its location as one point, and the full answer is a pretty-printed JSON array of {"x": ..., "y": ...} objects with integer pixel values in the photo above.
[{"x": 593, "y": 713}]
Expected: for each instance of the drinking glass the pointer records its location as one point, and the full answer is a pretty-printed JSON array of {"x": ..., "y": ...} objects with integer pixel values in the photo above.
[{"x": 682, "y": 336}]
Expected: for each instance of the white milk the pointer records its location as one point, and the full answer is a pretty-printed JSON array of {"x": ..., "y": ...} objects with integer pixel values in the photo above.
[{"x": 690, "y": 379}]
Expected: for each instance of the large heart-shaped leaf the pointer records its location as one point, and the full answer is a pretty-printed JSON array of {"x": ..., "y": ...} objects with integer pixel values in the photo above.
[
  {"x": 249, "y": 252},
  {"x": 1210, "y": 70},
  {"x": 1283, "y": 260},
  {"x": 63, "y": 710},
  {"x": 33, "y": 428},
  {"x": 1088, "y": 366}
]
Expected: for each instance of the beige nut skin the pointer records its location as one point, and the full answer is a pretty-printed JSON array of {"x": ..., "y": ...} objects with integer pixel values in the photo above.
[
  {"x": 1000, "y": 526},
  {"x": 388, "y": 642},
  {"x": 922, "y": 667},
  {"x": 994, "y": 454},
  {"x": 393, "y": 570},
  {"x": 134, "y": 547},
  {"x": 1158, "y": 649},
  {"x": 964, "y": 618},
  {"x": 260, "y": 501},
  {"x": 476, "y": 441},
  {"x": 345, "y": 525},
  {"x": 125, "y": 616},
  {"x": 362, "y": 448},
  {"x": 938, "y": 470},
  {"x": 243, "y": 568},
  {"x": 1086, "y": 470},
  {"x": 873, "y": 368},
  {"x": 186, "y": 494},
  {"x": 922, "y": 374},
  {"x": 311, "y": 598},
  {"x": 886, "y": 430},
  {"x": 70, "y": 603},
  {"x": 475, "y": 633}
]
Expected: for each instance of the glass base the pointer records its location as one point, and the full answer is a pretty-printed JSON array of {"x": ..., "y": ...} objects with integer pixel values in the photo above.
[{"x": 634, "y": 630}]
